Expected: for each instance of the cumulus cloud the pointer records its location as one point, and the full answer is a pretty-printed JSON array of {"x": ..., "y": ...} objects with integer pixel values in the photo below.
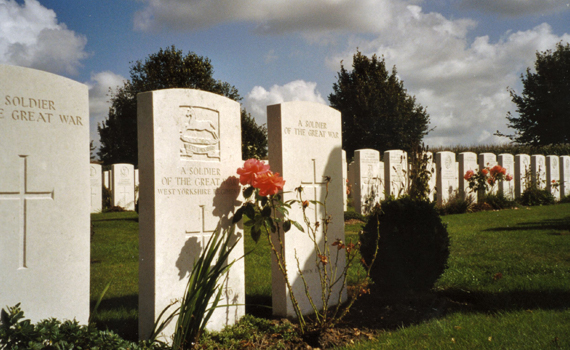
[
  {"x": 462, "y": 83},
  {"x": 258, "y": 98},
  {"x": 513, "y": 8},
  {"x": 99, "y": 99},
  {"x": 30, "y": 36},
  {"x": 275, "y": 16}
]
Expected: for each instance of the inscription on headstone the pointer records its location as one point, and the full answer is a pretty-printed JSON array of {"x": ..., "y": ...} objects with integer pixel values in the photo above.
[
  {"x": 396, "y": 172},
  {"x": 123, "y": 186},
  {"x": 521, "y": 173},
  {"x": 44, "y": 194},
  {"x": 553, "y": 176},
  {"x": 507, "y": 188},
  {"x": 189, "y": 152},
  {"x": 446, "y": 170},
  {"x": 370, "y": 188},
  {"x": 96, "y": 188},
  {"x": 305, "y": 144},
  {"x": 538, "y": 170}
]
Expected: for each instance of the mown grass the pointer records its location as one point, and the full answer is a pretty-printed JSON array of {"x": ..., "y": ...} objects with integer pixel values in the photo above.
[
  {"x": 507, "y": 284},
  {"x": 114, "y": 259}
]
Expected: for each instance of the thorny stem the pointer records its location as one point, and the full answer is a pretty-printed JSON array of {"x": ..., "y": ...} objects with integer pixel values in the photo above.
[{"x": 279, "y": 257}]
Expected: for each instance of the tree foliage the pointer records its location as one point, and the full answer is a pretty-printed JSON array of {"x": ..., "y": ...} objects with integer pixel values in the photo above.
[
  {"x": 168, "y": 68},
  {"x": 544, "y": 107},
  {"x": 377, "y": 111},
  {"x": 253, "y": 137}
]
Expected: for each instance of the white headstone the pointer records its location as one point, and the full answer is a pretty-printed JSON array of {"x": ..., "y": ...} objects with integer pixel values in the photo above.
[
  {"x": 107, "y": 179},
  {"x": 445, "y": 162},
  {"x": 96, "y": 188},
  {"x": 487, "y": 160},
  {"x": 344, "y": 181},
  {"x": 137, "y": 182},
  {"x": 553, "y": 175},
  {"x": 44, "y": 194},
  {"x": 467, "y": 161},
  {"x": 538, "y": 170},
  {"x": 305, "y": 144},
  {"x": 456, "y": 175},
  {"x": 507, "y": 188},
  {"x": 189, "y": 152},
  {"x": 395, "y": 172},
  {"x": 369, "y": 187},
  {"x": 123, "y": 186},
  {"x": 521, "y": 172},
  {"x": 565, "y": 175}
]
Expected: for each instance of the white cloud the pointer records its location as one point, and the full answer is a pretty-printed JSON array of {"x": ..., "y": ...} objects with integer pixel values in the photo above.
[
  {"x": 258, "y": 98},
  {"x": 513, "y": 8},
  {"x": 463, "y": 84},
  {"x": 99, "y": 99},
  {"x": 276, "y": 16},
  {"x": 30, "y": 36}
]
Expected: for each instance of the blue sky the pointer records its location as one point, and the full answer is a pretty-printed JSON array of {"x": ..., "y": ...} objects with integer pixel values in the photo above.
[{"x": 456, "y": 56}]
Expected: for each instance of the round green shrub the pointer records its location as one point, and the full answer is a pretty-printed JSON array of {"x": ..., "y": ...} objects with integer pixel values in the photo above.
[
  {"x": 413, "y": 248},
  {"x": 535, "y": 196}
]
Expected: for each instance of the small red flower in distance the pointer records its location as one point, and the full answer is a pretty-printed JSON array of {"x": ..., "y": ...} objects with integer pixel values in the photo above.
[
  {"x": 509, "y": 177},
  {"x": 495, "y": 170},
  {"x": 484, "y": 171},
  {"x": 469, "y": 174},
  {"x": 268, "y": 183},
  {"x": 252, "y": 168}
]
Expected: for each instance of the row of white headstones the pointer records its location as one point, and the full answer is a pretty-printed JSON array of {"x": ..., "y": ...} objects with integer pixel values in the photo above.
[
  {"x": 122, "y": 181},
  {"x": 189, "y": 151},
  {"x": 371, "y": 180}
]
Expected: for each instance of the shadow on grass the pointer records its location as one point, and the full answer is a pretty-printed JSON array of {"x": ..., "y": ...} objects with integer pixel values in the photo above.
[
  {"x": 377, "y": 311},
  {"x": 136, "y": 219},
  {"x": 549, "y": 224},
  {"x": 118, "y": 314},
  {"x": 258, "y": 306}
]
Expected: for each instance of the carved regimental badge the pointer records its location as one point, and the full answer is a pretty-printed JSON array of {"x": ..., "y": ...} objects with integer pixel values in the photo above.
[{"x": 199, "y": 133}]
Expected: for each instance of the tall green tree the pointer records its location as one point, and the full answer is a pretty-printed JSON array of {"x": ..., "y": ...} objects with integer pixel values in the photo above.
[
  {"x": 376, "y": 110},
  {"x": 168, "y": 68},
  {"x": 253, "y": 137},
  {"x": 544, "y": 107}
]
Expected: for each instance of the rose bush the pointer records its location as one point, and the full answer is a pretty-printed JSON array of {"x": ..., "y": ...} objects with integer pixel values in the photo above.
[{"x": 267, "y": 212}]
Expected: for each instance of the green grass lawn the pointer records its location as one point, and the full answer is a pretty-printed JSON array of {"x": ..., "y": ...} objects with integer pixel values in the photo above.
[{"x": 509, "y": 274}]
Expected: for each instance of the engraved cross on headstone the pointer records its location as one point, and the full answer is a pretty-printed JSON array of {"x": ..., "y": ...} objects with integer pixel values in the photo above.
[
  {"x": 23, "y": 196},
  {"x": 93, "y": 196},
  {"x": 313, "y": 184},
  {"x": 200, "y": 228},
  {"x": 124, "y": 193}
]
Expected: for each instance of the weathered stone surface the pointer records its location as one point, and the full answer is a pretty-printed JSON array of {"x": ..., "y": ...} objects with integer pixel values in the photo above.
[
  {"x": 44, "y": 194},
  {"x": 189, "y": 152},
  {"x": 305, "y": 144}
]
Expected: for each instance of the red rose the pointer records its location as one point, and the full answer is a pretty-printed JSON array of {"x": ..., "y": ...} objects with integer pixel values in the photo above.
[
  {"x": 469, "y": 174},
  {"x": 268, "y": 183},
  {"x": 251, "y": 170},
  {"x": 484, "y": 171}
]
